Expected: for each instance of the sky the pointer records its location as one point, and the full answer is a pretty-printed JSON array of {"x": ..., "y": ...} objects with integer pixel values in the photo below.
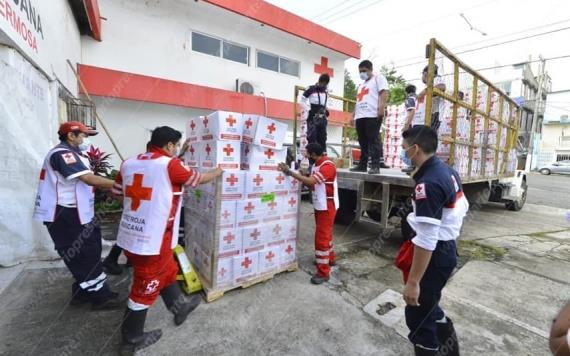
[{"x": 395, "y": 32}]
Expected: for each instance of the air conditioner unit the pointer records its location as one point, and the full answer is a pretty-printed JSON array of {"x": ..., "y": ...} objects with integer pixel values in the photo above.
[{"x": 246, "y": 87}]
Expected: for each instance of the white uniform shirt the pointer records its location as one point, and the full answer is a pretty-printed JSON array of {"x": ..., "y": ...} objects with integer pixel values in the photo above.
[{"x": 367, "y": 96}]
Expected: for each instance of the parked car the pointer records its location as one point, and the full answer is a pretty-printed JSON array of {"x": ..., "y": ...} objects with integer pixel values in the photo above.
[{"x": 560, "y": 167}]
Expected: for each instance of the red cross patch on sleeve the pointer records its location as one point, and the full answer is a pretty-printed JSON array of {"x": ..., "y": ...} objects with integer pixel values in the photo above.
[
  {"x": 68, "y": 158},
  {"x": 420, "y": 191}
]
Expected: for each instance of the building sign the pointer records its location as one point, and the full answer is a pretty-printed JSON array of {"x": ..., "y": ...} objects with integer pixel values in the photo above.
[{"x": 25, "y": 21}]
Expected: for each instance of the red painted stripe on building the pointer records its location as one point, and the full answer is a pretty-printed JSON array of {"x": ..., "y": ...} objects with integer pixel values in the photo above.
[
  {"x": 116, "y": 84},
  {"x": 286, "y": 21},
  {"x": 94, "y": 17}
]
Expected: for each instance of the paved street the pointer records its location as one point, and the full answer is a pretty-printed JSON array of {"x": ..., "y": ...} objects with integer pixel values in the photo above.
[{"x": 552, "y": 190}]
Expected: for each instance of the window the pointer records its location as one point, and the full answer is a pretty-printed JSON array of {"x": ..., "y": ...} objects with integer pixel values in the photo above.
[
  {"x": 277, "y": 64},
  {"x": 220, "y": 48}
]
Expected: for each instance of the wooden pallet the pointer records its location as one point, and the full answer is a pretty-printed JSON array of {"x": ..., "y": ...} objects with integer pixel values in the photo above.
[{"x": 212, "y": 295}]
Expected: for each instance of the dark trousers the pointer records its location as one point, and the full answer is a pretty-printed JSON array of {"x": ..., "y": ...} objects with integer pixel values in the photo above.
[
  {"x": 316, "y": 131},
  {"x": 422, "y": 320},
  {"x": 368, "y": 130},
  {"x": 80, "y": 248}
]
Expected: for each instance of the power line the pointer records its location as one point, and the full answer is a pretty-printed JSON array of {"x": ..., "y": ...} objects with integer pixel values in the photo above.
[
  {"x": 495, "y": 44},
  {"x": 340, "y": 10},
  {"x": 329, "y": 21},
  {"x": 328, "y": 11}
]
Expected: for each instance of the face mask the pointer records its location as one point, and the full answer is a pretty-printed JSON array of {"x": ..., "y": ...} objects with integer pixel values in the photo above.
[
  {"x": 404, "y": 157},
  {"x": 364, "y": 75},
  {"x": 85, "y": 145},
  {"x": 409, "y": 159}
]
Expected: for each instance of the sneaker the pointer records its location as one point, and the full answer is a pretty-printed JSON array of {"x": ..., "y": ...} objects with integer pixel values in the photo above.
[
  {"x": 358, "y": 169},
  {"x": 374, "y": 170},
  {"x": 316, "y": 279},
  {"x": 384, "y": 165}
]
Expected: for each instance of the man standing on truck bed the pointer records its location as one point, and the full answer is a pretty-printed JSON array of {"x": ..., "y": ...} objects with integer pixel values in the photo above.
[
  {"x": 439, "y": 207},
  {"x": 371, "y": 98},
  {"x": 316, "y": 96},
  {"x": 436, "y": 102}
]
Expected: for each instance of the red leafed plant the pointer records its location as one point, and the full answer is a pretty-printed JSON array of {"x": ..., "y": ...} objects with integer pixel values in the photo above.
[{"x": 99, "y": 161}]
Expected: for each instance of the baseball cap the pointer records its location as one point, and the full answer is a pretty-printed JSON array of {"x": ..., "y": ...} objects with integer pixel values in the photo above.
[{"x": 72, "y": 126}]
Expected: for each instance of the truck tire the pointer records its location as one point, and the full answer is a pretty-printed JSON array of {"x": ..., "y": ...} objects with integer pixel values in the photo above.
[
  {"x": 516, "y": 205},
  {"x": 347, "y": 206},
  {"x": 374, "y": 212}
]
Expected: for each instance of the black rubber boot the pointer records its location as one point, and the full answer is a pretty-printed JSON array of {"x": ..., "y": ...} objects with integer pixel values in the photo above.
[
  {"x": 374, "y": 170},
  {"x": 420, "y": 351},
  {"x": 77, "y": 295},
  {"x": 384, "y": 165},
  {"x": 447, "y": 339},
  {"x": 316, "y": 279},
  {"x": 177, "y": 303},
  {"x": 111, "y": 262},
  {"x": 358, "y": 168},
  {"x": 132, "y": 330}
]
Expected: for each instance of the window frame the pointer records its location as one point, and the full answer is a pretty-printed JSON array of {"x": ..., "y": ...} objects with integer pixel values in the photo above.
[
  {"x": 278, "y": 63},
  {"x": 222, "y": 41}
]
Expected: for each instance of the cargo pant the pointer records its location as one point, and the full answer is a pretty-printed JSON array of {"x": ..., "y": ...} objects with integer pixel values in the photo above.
[{"x": 324, "y": 253}]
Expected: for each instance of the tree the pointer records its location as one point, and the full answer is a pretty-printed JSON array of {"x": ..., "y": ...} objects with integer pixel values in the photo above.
[
  {"x": 350, "y": 93},
  {"x": 397, "y": 85}
]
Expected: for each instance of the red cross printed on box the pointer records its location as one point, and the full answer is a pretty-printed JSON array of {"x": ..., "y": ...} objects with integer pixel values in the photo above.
[
  {"x": 255, "y": 234},
  {"x": 271, "y": 128},
  {"x": 289, "y": 249},
  {"x": 246, "y": 150},
  {"x": 229, "y": 238},
  {"x": 323, "y": 67},
  {"x": 269, "y": 153},
  {"x": 231, "y": 120},
  {"x": 192, "y": 150},
  {"x": 272, "y": 205},
  {"x": 205, "y": 121},
  {"x": 277, "y": 229},
  {"x": 249, "y": 207},
  {"x": 137, "y": 192},
  {"x": 228, "y": 150},
  {"x": 362, "y": 94},
  {"x": 246, "y": 262},
  {"x": 294, "y": 182},
  {"x": 192, "y": 125},
  {"x": 280, "y": 178},
  {"x": 232, "y": 179},
  {"x": 226, "y": 214},
  {"x": 208, "y": 149},
  {"x": 292, "y": 201},
  {"x": 248, "y": 123},
  {"x": 270, "y": 256},
  {"x": 257, "y": 180},
  {"x": 222, "y": 272}
]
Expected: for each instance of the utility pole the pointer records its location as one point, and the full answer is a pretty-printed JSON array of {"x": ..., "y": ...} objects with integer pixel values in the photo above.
[{"x": 537, "y": 101}]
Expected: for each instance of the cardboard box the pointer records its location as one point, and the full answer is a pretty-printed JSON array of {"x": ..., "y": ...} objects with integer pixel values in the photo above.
[
  {"x": 227, "y": 214},
  {"x": 270, "y": 133},
  {"x": 276, "y": 233},
  {"x": 194, "y": 128},
  {"x": 245, "y": 155},
  {"x": 264, "y": 159},
  {"x": 288, "y": 252},
  {"x": 224, "y": 275},
  {"x": 269, "y": 260},
  {"x": 192, "y": 155},
  {"x": 222, "y": 125},
  {"x": 277, "y": 182},
  {"x": 256, "y": 184},
  {"x": 233, "y": 185},
  {"x": 249, "y": 127},
  {"x": 254, "y": 238},
  {"x": 245, "y": 266},
  {"x": 290, "y": 229},
  {"x": 273, "y": 205},
  {"x": 292, "y": 184},
  {"x": 249, "y": 212},
  {"x": 290, "y": 206},
  {"x": 229, "y": 243},
  {"x": 223, "y": 154}
]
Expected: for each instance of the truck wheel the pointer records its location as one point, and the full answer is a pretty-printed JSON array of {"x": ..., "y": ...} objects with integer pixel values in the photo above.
[
  {"x": 347, "y": 206},
  {"x": 516, "y": 205}
]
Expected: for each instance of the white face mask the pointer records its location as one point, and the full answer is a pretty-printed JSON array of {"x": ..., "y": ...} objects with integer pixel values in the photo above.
[
  {"x": 85, "y": 145},
  {"x": 364, "y": 75}
]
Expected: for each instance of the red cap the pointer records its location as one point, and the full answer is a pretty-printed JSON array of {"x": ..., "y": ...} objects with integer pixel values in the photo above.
[{"x": 72, "y": 126}]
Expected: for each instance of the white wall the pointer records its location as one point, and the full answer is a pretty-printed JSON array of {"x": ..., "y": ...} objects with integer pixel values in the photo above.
[{"x": 154, "y": 39}]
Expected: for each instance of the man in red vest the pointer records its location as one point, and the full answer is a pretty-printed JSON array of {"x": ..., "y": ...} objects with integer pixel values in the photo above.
[{"x": 152, "y": 185}]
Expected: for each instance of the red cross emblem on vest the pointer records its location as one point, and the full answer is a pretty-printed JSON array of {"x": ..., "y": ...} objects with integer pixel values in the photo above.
[
  {"x": 277, "y": 229},
  {"x": 229, "y": 238},
  {"x": 272, "y": 205},
  {"x": 228, "y": 150},
  {"x": 255, "y": 234},
  {"x": 192, "y": 125},
  {"x": 205, "y": 121},
  {"x": 248, "y": 123},
  {"x": 232, "y": 179},
  {"x": 231, "y": 120},
  {"x": 362, "y": 93},
  {"x": 289, "y": 249},
  {"x": 292, "y": 201},
  {"x": 257, "y": 180},
  {"x": 280, "y": 178},
  {"x": 270, "y": 256},
  {"x": 246, "y": 262},
  {"x": 271, "y": 128},
  {"x": 249, "y": 207},
  {"x": 269, "y": 153},
  {"x": 222, "y": 272},
  {"x": 137, "y": 192},
  {"x": 226, "y": 214},
  {"x": 208, "y": 149}
]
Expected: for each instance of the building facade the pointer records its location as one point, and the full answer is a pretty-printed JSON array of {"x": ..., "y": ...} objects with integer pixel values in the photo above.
[{"x": 555, "y": 144}]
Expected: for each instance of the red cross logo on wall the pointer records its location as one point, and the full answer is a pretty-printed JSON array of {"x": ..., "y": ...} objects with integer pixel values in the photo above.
[
  {"x": 271, "y": 128},
  {"x": 323, "y": 67},
  {"x": 208, "y": 149},
  {"x": 289, "y": 249},
  {"x": 248, "y": 123},
  {"x": 232, "y": 179},
  {"x": 246, "y": 262},
  {"x": 292, "y": 201},
  {"x": 270, "y": 256},
  {"x": 228, "y": 150},
  {"x": 257, "y": 180},
  {"x": 137, "y": 192},
  {"x": 226, "y": 214},
  {"x": 255, "y": 234},
  {"x": 249, "y": 207},
  {"x": 192, "y": 125},
  {"x": 280, "y": 178},
  {"x": 362, "y": 94},
  {"x": 229, "y": 238},
  {"x": 231, "y": 120},
  {"x": 269, "y": 153}
]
